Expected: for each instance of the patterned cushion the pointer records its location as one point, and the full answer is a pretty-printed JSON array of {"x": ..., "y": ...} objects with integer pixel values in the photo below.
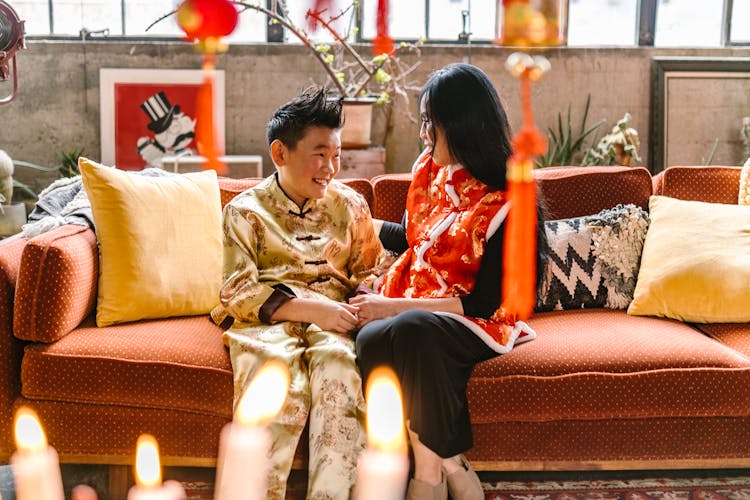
[{"x": 593, "y": 260}]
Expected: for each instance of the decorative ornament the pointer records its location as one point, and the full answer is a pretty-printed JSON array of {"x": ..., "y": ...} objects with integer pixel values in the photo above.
[
  {"x": 206, "y": 22},
  {"x": 534, "y": 23},
  {"x": 519, "y": 260},
  {"x": 381, "y": 44}
]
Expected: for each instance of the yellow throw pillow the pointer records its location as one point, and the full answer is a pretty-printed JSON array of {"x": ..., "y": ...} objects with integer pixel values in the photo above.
[
  {"x": 696, "y": 262},
  {"x": 159, "y": 243}
]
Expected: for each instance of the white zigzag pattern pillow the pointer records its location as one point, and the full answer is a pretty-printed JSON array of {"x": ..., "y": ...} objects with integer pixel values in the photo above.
[{"x": 593, "y": 260}]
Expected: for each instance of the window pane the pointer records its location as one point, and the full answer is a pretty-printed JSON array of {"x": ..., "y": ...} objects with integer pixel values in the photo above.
[
  {"x": 139, "y": 14},
  {"x": 36, "y": 15},
  {"x": 406, "y": 20},
  {"x": 445, "y": 19},
  {"x": 251, "y": 27},
  {"x": 689, "y": 23},
  {"x": 602, "y": 22},
  {"x": 740, "y": 21},
  {"x": 72, "y": 15}
]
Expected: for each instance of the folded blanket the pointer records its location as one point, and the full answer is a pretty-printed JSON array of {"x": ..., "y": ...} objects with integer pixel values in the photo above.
[{"x": 65, "y": 202}]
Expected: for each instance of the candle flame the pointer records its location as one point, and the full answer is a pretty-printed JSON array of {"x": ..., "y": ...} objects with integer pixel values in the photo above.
[
  {"x": 265, "y": 394},
  {"x": 147, "y": 465},
  {"x": 385, "y": 416},
  {"x": 29, "y": 433}
]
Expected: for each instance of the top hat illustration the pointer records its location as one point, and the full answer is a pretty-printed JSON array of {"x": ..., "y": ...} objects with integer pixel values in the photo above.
[{"x": 159, "y": 111}]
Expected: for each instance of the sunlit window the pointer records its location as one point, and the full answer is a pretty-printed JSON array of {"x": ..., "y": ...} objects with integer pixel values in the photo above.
[
  {"x": 602, "y": 22},
  {"x": 445, "y": 20},
  {"x": 689, "y": 23},
  {"x": 740, "y": 29},
  {"x": 679, "y": 23}
]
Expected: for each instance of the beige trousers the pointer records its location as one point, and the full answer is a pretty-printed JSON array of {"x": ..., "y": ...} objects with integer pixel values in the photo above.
[{"x": 325, "y": 385}]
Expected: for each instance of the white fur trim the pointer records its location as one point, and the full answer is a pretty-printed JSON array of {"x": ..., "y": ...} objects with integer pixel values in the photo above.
[{"x": 514, "y": 339}]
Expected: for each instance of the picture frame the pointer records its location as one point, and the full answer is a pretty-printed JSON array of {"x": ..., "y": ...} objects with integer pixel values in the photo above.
[
  {"x": 697, "y": 105},
  {"x": 146, "y": 114}
]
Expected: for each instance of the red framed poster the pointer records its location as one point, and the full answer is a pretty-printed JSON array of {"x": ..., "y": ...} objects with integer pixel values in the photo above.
[{"x": 147, "y": 114}]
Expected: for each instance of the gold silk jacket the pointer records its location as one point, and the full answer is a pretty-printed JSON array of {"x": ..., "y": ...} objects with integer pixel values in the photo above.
[{"x": 323, "y": 250}]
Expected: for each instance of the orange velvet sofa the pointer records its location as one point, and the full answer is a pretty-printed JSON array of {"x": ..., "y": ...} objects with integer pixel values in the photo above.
[{"x": 597, "y": 388}]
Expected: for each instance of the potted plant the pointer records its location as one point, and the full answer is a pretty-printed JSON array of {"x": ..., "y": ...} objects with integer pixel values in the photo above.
[{"x": 361, "y": 81}]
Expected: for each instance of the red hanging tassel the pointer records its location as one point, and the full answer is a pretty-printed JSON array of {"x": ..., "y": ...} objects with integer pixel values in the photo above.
[
  {"x": 383, "y": 43},
  {"x": 205, "y": 135},
  {"x": 519, "y": 259}
]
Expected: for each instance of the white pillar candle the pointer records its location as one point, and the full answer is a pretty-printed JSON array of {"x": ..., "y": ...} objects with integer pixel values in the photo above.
[
  {"x": 245, "y": 443},
  {"x": 383, "y": 467},
  {"x": 148, "y": 485},
  {"x": 35, "y": 466}
]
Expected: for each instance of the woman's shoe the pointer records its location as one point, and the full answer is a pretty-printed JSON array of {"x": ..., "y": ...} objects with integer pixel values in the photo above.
[
  {"x": 419, "y": 490},
  {"x": 464, "y": 484}
]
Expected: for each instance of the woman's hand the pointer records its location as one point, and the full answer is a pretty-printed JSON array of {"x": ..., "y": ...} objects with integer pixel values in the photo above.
[
  {"x": 373, "y": 306},
  {"x": 338, "y": 317}
]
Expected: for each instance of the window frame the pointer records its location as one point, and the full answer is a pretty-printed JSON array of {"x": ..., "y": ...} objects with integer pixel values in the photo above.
[{"x": 645, "y": 29}]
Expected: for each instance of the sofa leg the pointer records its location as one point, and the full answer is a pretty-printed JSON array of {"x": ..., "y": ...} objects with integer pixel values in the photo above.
[{"x": 118, "y": 481}]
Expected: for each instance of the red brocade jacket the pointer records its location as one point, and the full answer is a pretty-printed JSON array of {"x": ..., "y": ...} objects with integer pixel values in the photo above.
[{"x": 450, "y": 215}]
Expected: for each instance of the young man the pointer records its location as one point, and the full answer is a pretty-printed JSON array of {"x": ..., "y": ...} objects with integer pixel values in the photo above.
[{"x": 294, "y": 247}]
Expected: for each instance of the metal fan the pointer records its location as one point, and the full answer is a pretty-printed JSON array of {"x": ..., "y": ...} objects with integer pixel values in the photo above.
[{"x": 11, "y": 41}]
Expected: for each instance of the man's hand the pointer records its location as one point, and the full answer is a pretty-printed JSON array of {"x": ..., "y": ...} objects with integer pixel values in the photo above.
[{"x": 331, "y": 316}]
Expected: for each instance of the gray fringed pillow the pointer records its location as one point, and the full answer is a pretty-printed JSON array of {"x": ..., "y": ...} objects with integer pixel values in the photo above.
[{"x": 593, "y": 260}]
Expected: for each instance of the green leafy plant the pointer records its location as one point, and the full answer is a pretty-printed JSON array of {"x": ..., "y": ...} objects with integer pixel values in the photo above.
[
  {"x": 710, "y": 159},
  {"x": 565, "y": 145},
  {"x": 69, "y": 162}
]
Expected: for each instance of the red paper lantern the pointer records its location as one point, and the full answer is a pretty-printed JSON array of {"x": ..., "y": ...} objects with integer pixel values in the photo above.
[{"x": 207, "y": 21}]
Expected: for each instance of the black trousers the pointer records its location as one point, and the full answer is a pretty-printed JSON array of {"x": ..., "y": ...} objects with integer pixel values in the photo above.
[{"x": 433, "y": 357}]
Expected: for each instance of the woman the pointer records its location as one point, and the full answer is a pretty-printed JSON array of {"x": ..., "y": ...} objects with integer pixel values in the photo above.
[{"x": 435, "y": 315}]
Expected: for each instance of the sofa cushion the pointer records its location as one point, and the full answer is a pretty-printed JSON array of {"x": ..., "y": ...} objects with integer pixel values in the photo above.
[
  {"x": 176, "y": 363},
  {"x": 576, "y": 191},
  {"x": 390, "y": 196},
  {"x": 734, "y": 335},
  {"x": 593, "y": 260},
  {"x": 603, "y": 364},
  {"x": 56, "y": 287},
  {"x": 696, "y": 262},
  {"x": 159, "y": 243},
  {"x": 711, "y": 184},
  {"x": 229, "y": 188}
]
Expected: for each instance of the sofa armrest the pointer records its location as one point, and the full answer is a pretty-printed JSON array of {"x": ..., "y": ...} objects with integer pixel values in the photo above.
[
  {"x": 57, "y": 283},
  {"x": 11, "y": 348}
]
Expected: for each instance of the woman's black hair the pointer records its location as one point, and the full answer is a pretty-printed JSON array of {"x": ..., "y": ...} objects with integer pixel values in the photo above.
[{"x": 463, "y": 104}]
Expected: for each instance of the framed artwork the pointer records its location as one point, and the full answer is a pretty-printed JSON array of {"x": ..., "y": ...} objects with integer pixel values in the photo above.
[
  {"x": 150, "y": 113},
  {"x": 697, "y": 106}
]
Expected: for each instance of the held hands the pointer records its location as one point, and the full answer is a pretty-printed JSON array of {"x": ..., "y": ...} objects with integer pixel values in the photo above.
[
  {"x": 331, "y": 316},
  {"x": 373, "y": 306},
  {"x": 338, "y": 317}
]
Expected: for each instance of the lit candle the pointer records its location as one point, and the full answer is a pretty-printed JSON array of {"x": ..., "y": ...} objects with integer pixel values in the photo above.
[
  {"x": 383, "y": 467},
  {"x": 36, "y": 469},
  {"x": 245, "y": 443},
  {"x": 148, "y": 484}
]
